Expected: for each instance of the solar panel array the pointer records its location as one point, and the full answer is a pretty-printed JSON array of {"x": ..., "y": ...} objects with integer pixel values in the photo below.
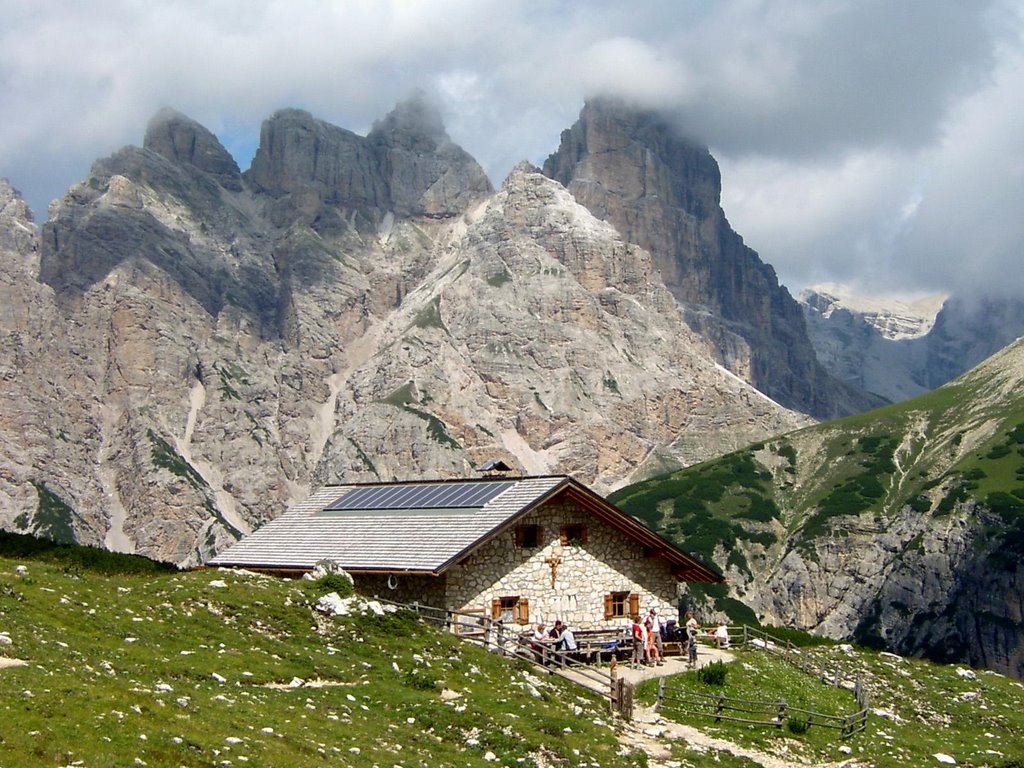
[{"x": 420, "y": 496}]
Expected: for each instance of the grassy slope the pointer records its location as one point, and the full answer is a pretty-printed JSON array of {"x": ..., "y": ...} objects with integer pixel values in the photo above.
[
  {"x": 125, "y": 666},
  {"x": 919, "y": 709},
  {"x": 964, "y": 441},
  {"x": 124, "y": 660}
]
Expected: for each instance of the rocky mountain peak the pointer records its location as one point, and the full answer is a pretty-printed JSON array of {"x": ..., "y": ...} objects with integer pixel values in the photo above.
[
  {"x": 892, "y": 318},
  {"x": 634, "y": 168},
  {"x": 629, "y": 155},
  {"x": 414, "y": 124},
  {"x": 328, "y": 177},
  {"x": 17, "y": 227},
  {"x": 181, "y": 139}
]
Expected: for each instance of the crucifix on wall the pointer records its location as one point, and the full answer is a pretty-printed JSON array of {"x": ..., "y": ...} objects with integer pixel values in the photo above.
[{"x": 553, "y": 562}]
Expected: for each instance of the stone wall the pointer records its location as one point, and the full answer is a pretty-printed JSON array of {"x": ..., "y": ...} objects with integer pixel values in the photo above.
[
  {"x": 426, "y": 590},
  {"x": 567, "y": 582}
]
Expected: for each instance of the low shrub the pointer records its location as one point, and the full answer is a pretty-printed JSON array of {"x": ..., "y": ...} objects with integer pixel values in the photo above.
[
  {"x": 797, "y": 725},
  {"x": 332, "y": 582},
  {"x": 713, "y": 673}
]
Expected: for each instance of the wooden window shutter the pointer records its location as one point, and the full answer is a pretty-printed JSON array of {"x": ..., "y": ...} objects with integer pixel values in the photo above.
[
  {"x": 540, "y": 536},
  {"x": 496, "y": 608},
  {"x": 608, "y": 601},
  {"x": 583, "y": 530},
  {"x": 634, "y": 604},
  {"x": 524, "y": 610},
  {"x": 519, "y": 535},
  {"x": 563, "y": 535}
]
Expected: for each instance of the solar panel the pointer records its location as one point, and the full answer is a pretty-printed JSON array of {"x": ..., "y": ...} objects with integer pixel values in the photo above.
[{"x": 420, "y": 496}]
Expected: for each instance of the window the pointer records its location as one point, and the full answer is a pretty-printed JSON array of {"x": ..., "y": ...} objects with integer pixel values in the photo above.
[
  {"x": 511, "y": 609},
  {"x": 529, "y": 536},
  {"x": 573, "y": 534},
  {"x": 621, "y": 605}
]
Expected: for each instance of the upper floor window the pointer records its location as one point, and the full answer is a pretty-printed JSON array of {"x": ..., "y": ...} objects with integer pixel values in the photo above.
[
  {"x": 529, "y": 536},
  {"x": 575, "y": 534}
]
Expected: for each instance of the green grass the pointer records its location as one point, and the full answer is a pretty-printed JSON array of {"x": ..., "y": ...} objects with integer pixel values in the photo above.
[
  {"x": 918, "y": 709},
  {"x": 197, "y": 668}
]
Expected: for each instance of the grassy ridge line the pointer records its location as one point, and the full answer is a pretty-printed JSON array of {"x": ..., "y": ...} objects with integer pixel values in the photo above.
[
  {"x": 963, "y": 442},
  {"x": 210, "y": 667}
]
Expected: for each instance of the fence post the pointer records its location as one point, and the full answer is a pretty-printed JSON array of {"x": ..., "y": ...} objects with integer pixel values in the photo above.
[
  {"x": 661, "y": 694},
  {"x": 782, "y": 714},
  {"x": 719, "y": 707}
]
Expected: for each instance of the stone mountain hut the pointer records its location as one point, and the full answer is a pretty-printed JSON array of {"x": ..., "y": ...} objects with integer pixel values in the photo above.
[{"x": 523, "y": 549}]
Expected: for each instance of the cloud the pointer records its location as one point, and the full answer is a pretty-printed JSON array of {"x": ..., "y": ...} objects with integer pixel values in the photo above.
[{"x": 859, "y": 139}]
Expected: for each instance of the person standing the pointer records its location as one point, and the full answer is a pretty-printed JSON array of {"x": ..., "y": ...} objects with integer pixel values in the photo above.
[
  {"x": 692, "y": 629},
  {"x": 539, "y": 643},
  {"x": 638, "y": 643},
  {"x": 657, "y": 650}
]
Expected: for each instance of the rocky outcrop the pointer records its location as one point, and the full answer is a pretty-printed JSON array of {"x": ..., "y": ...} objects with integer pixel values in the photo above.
[
  {"x": 905, "y": 530},
  {"x": 325, "y": 176},
  {"x": 199, "y": 348},
  {"x": 631, "y": 167},
  {"x": 184, "y": 141}
]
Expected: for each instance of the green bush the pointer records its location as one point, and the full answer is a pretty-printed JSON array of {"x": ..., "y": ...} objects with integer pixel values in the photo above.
[
  {"x": 421, "y": 681},
  {"x": 332, "y": 582},
  {"x": 76, "y": 557},
  {"x": 796, "y": 637},
  {"x": 797, "y": 725},
  {"x": 713, "y": 673}
]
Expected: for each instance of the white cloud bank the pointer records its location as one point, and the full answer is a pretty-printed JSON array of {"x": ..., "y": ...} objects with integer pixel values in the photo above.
[{"x": 864, "y": 141}]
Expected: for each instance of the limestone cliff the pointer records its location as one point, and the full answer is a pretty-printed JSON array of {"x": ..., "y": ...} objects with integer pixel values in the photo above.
[
  {"x": 662, "y": 191},
  {"x": 186, "y": 349}
]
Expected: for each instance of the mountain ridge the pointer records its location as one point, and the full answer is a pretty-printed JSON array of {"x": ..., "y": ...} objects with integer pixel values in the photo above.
[{"x": 214, "y": 344}]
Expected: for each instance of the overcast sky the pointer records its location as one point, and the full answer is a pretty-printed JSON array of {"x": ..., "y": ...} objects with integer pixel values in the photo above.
[{"x": 873, "y": 142}]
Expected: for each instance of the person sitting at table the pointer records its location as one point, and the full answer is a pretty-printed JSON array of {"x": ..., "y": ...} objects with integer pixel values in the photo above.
[
  {"x": 539, "y": 642},
  {"x": 566, "y": 639}
]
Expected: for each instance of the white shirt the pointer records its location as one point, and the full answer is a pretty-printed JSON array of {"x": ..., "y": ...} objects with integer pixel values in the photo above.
[{"x": 568, "y": 640}]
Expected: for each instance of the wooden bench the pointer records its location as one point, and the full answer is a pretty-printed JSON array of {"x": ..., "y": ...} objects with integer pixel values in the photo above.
[{"x": 594, "y": 645}]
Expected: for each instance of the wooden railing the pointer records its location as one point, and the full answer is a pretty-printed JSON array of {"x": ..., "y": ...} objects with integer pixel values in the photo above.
[
  {"x": 754, "y": 712},
  {"x": 514, "y": 643},
  {"x": 771, "y": 713}
]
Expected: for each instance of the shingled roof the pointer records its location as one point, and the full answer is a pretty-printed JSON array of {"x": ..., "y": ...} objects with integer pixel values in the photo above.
[{"x": 425, "y": 527}]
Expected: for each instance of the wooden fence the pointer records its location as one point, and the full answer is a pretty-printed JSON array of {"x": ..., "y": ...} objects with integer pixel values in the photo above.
[
  {"x": 495, "y": 636},
  {"x": 771, "y": 713},
  {"x": 511, "y": 642},
  {"x": 752, "y": 712}
]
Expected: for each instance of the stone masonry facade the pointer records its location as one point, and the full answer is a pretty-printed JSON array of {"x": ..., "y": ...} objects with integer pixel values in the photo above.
[{"x": 568, "y": 581}]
